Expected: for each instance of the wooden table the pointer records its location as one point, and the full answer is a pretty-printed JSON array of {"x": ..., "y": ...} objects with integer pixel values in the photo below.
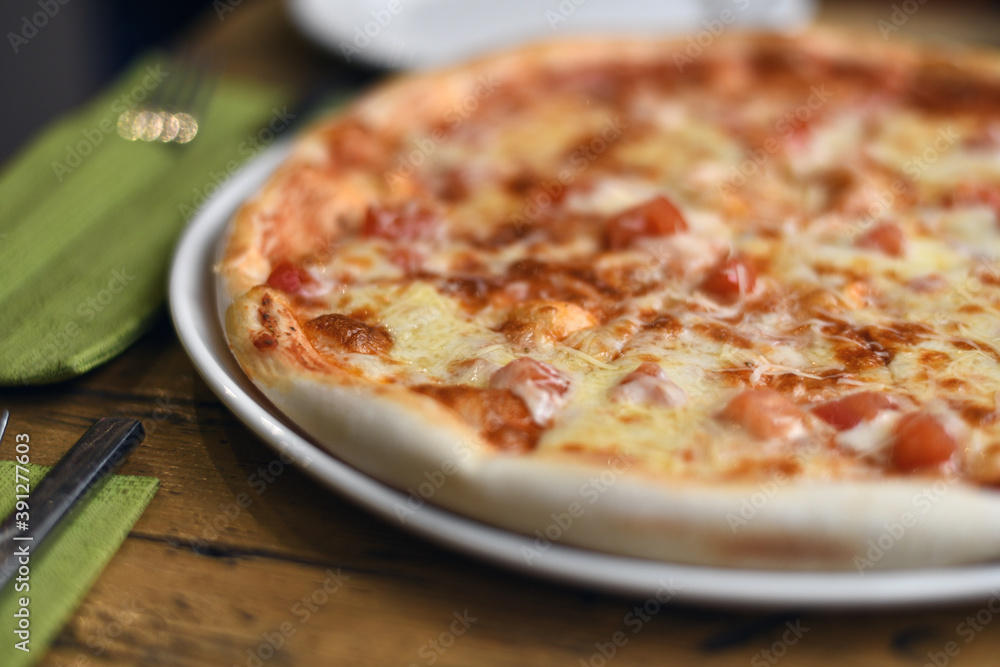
[{"x": 241, "y": 560}]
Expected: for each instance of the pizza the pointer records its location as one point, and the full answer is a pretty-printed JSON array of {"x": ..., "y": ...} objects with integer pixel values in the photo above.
[{"x": 738, "y": 309}]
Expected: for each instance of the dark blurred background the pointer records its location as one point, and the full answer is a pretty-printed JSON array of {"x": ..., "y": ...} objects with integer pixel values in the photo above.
[
  {"x": 83, "y": 44},
  {"x": 79, "y": 47}
]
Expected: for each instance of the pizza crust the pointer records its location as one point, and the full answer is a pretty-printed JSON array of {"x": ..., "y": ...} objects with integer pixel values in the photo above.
[{"x": 415, "y": 444}]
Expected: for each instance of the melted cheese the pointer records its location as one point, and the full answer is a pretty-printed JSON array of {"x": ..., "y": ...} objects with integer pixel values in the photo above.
[{"x": 829, "y": 314}]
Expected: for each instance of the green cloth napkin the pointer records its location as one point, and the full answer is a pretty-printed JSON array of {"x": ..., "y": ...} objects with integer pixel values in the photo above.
[
  {"x": 88, "y": 221},
  {"x": 69, "y": 561}
]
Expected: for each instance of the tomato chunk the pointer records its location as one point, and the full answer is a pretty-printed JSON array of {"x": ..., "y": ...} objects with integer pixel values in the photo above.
[
  {"x": 887, "y": 237},
  {"x": 648, "y": 385},
  {"x": 407, "y": 258},
  {"x": 851, "y": 410},
  {"x": 729, "y": 280},
  {"x": 405, "y": 224},
  {"x": 541, "y": 386},
  {"x": 290, "y": 278},
  {"x": 765, "y": 413},
  {"x": 978, "y": 193},
  {"x": 920, "y": 441},
  {"x": 647, "y": 368},
  {"x": 657, "y": 217}
]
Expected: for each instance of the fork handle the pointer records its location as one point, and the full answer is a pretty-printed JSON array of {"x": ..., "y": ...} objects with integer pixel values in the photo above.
[{"x": 94, "y": 456}]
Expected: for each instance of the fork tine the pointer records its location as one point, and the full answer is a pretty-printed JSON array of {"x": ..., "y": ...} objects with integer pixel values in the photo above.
[
  {"x": 169, "y": 109},
  {"x": 171, "y": 112},
  {"x": 189, "y": 96},
  {"x": 208, "y": 78},
  {"x": 159, "y": 96}
]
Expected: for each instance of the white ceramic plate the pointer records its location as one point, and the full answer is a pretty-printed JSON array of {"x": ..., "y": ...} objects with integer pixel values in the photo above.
[
  {"x": 425, "y": 33},
  {"x": 193, "y": 305}
]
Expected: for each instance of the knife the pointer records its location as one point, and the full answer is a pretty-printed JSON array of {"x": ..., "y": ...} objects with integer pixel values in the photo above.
[{"x": 92, "y": 459}]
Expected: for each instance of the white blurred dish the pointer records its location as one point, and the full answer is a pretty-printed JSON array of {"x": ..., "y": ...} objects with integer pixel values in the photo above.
[{"x": 415, "y": 34}]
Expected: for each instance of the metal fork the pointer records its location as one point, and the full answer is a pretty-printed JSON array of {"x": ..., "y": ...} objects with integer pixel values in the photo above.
[{"x": 171, "y": 113}]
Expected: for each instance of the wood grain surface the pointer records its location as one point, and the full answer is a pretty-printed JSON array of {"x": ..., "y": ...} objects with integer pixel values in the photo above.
[{"x": 242, "y": 560}]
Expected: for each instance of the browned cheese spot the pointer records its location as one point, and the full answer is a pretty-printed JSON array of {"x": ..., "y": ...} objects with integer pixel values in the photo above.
[
  {"x": 668, "y": 325},
  {"x": 720, "y": 333},
  {"x": 934, "y": 359},
  {"x": 871, "y": 346},
  {"x": 975, "y": 414},
  {"x": 347, "y": 334},
  {"x": 500, "y": 417}
]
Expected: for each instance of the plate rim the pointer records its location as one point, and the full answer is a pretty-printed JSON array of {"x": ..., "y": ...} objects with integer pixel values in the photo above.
[{"x": 192, "y": 304}]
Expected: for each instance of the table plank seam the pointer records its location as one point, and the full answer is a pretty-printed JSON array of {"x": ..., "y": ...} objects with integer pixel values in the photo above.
[{"x": 227, "y": 551}]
